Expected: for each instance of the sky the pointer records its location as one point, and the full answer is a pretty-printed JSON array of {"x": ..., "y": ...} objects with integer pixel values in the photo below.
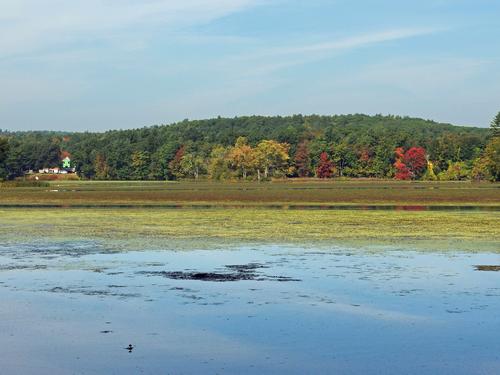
[{"x": 112, "y": 64}]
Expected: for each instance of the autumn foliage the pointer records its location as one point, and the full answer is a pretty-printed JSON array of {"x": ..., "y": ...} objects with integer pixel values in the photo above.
[
  {"x": 410, "y": 164},
  {"x": 175, "y": 163},
  {"x": 325, "y": 166},
  {"x": 302, "y": 160}
]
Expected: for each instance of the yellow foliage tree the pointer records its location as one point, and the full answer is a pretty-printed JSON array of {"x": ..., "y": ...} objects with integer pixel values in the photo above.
[
  {"x": 272, "y": 158},
  {"x": 242, "y": 156}
]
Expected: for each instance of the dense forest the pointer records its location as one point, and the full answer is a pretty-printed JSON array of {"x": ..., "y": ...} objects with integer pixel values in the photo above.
[{"x": 260, "y": 148}]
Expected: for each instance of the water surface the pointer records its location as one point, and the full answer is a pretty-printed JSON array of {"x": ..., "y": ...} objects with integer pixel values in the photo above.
[{"x": 74, "y": 307}]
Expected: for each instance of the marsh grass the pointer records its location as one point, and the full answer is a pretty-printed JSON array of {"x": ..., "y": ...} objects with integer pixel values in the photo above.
[
  {"x": 23, "y": 184},
  {"x": 155, "y": 228},
  {"x": 313, "y": 193},
  {"x": 228, "y": 213}
]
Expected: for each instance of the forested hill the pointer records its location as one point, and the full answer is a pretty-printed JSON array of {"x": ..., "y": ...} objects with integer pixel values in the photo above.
[{"x": 352, "y": 145}]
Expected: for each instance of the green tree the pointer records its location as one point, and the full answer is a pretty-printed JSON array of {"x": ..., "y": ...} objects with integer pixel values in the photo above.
[
  {"x": 16, "y": 159},
  {"x": 140, "y": 162},
  {"x": 488, "y": 165},
  {"x": 480, "y": 169},
  {"x": 492, "y": 158},
  {"x": 4, "y": 149},
  {"x": 160, "y": 161},
  {"x": 101, "y": 167},
  {"x": 84, "y": 163},
  {"x": 219, "y": 163},
  {"x": 192, "y": 165},
  {"x": 344, "y": 158},
  {"x": 456, "y": 171}
]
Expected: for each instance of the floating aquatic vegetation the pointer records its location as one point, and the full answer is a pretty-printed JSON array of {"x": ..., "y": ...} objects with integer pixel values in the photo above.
[
  {"x": 493, "y": 268},
  {"x": 232, "y": 273}
]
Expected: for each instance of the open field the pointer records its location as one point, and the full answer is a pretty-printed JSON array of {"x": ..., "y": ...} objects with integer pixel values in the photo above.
[{"x": 314, "y": 193}]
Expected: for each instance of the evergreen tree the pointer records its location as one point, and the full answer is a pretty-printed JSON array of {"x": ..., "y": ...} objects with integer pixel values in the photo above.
[
  {"x": 4, "y": 148},
  {"x": 495, "y": 126}
]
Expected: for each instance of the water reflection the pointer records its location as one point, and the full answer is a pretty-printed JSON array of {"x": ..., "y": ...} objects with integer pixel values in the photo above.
[
  {"x": 74, "y": 307},
  {"x": 265, "y": 206}
]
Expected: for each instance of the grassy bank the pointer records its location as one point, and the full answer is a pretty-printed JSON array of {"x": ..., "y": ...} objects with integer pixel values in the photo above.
[{"x": 139, "y": 193}]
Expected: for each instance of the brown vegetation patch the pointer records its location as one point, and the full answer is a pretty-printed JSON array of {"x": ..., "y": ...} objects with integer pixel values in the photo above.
[{"x": 487, "y": 268}]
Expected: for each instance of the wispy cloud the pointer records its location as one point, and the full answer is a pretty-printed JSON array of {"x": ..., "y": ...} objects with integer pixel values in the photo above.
[
  {"x": 127, "y": 62},
  {"x": 30, "y": 25},
  {"x": 271, "y": 59},
  {"x": 358, "y": 41}
]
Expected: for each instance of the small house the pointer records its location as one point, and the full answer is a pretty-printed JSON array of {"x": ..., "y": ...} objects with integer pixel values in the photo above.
[{"x": 66, "y": 163}]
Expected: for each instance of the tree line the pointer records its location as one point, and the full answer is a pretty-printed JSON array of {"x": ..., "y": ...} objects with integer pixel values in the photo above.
[{"x": 259, "y": 148}]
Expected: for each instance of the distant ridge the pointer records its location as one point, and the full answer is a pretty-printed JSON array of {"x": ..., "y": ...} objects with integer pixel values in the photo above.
[
  {"x": 349, "y": 119},
  {"x": 359, "y": 145}
]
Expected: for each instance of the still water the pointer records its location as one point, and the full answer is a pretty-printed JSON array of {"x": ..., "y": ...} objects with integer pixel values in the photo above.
[{"x": 80, "y": 308}]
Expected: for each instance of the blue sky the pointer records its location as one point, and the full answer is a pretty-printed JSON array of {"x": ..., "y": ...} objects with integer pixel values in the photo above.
[{"x": 107, "y": 64}]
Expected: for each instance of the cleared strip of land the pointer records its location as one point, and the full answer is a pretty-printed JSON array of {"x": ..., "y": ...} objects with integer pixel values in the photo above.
[{"x": 313, "y": 193}]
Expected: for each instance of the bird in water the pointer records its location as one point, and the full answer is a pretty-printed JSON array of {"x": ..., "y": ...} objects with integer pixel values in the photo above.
[{"x": 130, "y": 347}]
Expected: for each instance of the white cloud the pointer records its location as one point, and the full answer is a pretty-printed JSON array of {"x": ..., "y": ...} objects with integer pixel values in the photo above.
[{"x": 29, "y": 25}]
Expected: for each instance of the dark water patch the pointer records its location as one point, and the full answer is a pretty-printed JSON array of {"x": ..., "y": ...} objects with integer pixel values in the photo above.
[
  {"x": 490, "y": 268},
  {"x": 279, "y": 278},
  {"x": 455, "y": 311},
  {"x": 237, "y": 272},
  {"x": 17, "y": 267},
  {"x": 52, "y": 250},
  {"x": 202, "y": 276},
  {"x": 92, "y": 292},
  {"x": 250, "y": 267}
]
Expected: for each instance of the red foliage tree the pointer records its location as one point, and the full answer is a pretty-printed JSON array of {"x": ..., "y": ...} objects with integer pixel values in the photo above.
[
  {"x": 302, "y": 160},
  {"x": 399, "y": 152},
  {"x": 325, "y": 166},
  {"x": 416, "y": 161},
  {"x": 410, "y": 164},
  {"x": 402, "y": 171},
  {"x": 175, "y": 163}
]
